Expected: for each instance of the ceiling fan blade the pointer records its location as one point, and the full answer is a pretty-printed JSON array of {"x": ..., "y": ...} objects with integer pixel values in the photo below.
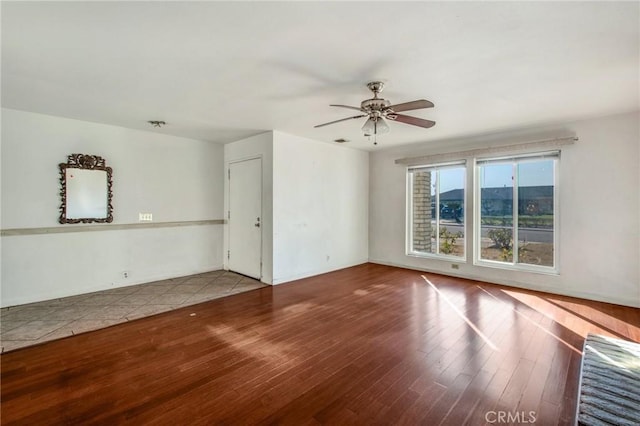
[
  {"x": 342, "y": 119},
  {"x": 411, "y": 120},
  {"x": 420, "y": 103},
  {"x": 347, "y": 106}
]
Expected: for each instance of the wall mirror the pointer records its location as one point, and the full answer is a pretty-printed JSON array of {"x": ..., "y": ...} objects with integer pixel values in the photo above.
[{"x": 85, "y": 190}]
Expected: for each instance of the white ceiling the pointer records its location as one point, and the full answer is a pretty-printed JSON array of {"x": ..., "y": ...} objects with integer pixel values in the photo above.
[{"x": 222, "y": 71}]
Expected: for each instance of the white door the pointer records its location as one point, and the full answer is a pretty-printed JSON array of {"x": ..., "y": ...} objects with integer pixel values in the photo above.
[{"x": 245, "y": 217}]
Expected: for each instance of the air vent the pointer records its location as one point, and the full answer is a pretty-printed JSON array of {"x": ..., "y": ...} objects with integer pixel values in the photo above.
[{"x": 341, "y": 140}]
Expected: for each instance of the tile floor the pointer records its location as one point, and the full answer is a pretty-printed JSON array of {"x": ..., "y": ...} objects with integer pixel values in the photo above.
[{"x": 34, "y": 323}]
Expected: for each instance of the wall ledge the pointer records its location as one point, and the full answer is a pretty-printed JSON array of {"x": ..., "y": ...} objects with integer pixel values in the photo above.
[{"x": 106, "y": 227}]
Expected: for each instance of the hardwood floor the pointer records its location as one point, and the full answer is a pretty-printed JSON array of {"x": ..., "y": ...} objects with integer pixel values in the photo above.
[{"x": 365, "y": 345}]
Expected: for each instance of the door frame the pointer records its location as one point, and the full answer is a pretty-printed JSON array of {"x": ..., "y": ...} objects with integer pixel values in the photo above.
[{"x": 227, "y": 208}]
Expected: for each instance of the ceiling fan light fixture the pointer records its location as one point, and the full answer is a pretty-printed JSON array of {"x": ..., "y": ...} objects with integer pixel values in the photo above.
[
  {"x": 375, "y": 126},
  {"x": 369, "y": 127},
  {"x": 382, "y": 126}
]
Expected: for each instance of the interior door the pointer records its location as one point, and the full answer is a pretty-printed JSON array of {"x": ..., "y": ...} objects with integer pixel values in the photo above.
[{"x": 245, "y": 217}]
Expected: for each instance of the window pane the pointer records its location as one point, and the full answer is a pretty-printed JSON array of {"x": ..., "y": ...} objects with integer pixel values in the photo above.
[
  {"x": 496, "y": 212},
  {"x": 451, "y": 211},
  {"x": 437, "y": 211},
  {"x": 434, "y": 213},
  {"x": 421, "y": 215},
  {"x": 535, "y": 212}
]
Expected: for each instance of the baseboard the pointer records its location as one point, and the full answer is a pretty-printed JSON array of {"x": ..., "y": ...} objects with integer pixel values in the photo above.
[
  {"x": 307, "y": 274},
  {"x": 107, "y": 286},
  {"x": 521, "y": 285}
]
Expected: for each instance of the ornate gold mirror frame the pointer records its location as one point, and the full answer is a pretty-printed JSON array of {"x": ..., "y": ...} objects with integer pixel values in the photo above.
[{"x": 86, "y": 195}]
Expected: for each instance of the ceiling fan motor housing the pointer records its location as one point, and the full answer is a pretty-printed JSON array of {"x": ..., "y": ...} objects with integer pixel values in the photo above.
[{"x": 375, "y": 104}]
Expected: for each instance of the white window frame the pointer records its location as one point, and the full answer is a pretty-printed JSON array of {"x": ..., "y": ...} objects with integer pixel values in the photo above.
[
  {"x": 477, "y": 228},
  {"x": 409, "y": 211}
]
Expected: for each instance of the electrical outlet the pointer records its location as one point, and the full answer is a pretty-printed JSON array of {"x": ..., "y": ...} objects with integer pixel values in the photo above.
[
  {"x": 145, "y": 217},
  {"x": 125, "y": 274},
  {"x": 455, "y": 266}
]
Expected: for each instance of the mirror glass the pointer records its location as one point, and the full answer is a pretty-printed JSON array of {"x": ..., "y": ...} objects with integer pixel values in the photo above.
[
  {"x": 86, "y": 190},
  {"x": 86, "y": 193}
]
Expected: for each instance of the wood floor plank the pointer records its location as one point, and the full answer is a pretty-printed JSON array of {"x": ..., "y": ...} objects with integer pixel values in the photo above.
[
  {"x": 468, "y": 400},
  {"x": 370, "y": 344}
]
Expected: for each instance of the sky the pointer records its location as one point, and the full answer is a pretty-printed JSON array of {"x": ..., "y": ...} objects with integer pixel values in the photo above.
[{"x": 531, "y": 173}]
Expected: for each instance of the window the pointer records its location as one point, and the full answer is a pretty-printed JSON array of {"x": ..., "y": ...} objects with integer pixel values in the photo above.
[
  {"x": 436, "y": 196},
  {"x": 516, "y": 211}
]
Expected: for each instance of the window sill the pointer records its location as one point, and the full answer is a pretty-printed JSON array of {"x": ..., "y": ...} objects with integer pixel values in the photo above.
[
  {"x": 544, "y": 270},
  {"x": 434, "y": 256}
]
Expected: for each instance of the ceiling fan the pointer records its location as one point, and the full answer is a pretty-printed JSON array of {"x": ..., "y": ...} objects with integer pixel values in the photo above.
[{"x": 377, "y": 109}]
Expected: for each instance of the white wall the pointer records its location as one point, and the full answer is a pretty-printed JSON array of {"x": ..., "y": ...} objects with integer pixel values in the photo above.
[
  {"x": 320, "y": 207},
  {"x": 599, "y": 211},
  {"x": 175, "y": 179},
  {"x": 315, "y": 204},
  {"x": 259, "y": 146}
]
